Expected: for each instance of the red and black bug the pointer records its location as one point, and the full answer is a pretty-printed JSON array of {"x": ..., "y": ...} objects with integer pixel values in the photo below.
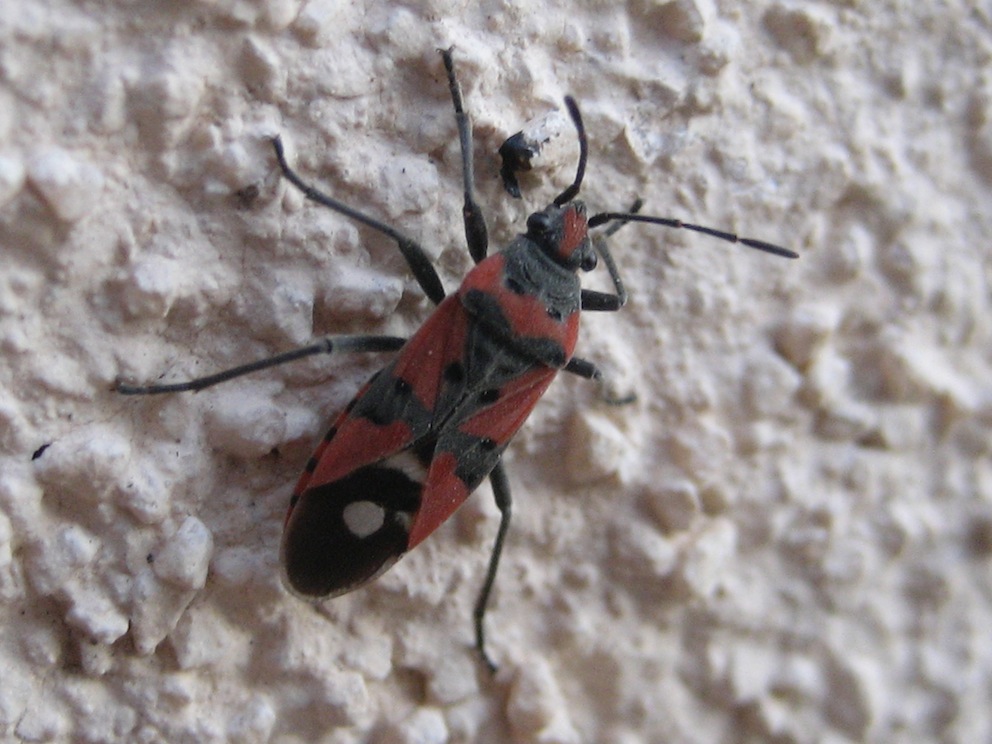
[{"x": 427, "y": 429}]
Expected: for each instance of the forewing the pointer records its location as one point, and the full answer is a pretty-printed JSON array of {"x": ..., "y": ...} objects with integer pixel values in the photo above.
[
  {"x": 346, "y": 532},
  {"x": 470, "y": 446},
  {"x": 351, "y": 512},
  {"x": 399, "y": 405}
]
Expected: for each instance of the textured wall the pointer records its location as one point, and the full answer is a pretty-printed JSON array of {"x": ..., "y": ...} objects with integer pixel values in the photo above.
[{"x": 786, "y": 538}]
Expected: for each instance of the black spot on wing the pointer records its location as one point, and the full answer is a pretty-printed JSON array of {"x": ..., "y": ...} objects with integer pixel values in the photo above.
[
  {"x": 454, "y": 373},
  {"x": 322, "y": 557},
  {"x": 423, "y": 450},
  {"x": 488, "y": 397},
  {"x": 475, "y": 456},
  {"x": 390, "y": 399}
]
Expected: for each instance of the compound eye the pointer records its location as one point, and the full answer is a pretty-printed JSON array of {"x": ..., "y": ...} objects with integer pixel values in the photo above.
[
  {"x": 589, "y": 261},
  {"x": 538, "y": 223}
]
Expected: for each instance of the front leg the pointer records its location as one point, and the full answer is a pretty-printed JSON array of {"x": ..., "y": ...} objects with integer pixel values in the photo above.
[
  {"x": 589, "y": 371},
  {"x": 603, "y": 301}
]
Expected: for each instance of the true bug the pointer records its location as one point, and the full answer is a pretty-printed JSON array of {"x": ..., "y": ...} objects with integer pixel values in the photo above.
[{"x": 424, "y": 431}]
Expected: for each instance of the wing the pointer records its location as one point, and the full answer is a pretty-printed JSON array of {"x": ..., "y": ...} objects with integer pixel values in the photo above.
[
  {"x": 351, "y": 511},
  {"x": 471, "y": 445},
  {"x": 399, "y": 405},
  {"x": 415, "y": 442}
]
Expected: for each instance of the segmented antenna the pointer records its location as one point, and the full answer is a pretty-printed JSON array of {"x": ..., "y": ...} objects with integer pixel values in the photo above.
[
  {"x": 603, "y": 217},
  {"x": 572, "y": 191},
  {"x": 760, "y": 245}
]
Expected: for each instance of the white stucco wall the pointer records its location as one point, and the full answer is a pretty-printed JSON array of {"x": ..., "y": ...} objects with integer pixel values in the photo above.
[{"x": 786, "y": 538}]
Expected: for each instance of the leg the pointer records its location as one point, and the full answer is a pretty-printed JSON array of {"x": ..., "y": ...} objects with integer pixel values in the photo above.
[
  {"x": 589, "y": 371},
  {"x": 603, "y": 301},
  {"x": 501, "y": 491},
  {"x": 476, "y": 234},
  {"x": 324, "y": 346},
  {"x": 414, "y": 254}
]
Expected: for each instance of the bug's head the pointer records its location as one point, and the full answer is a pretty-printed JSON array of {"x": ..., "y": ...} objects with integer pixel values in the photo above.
[{"x": 562, "y": 233}]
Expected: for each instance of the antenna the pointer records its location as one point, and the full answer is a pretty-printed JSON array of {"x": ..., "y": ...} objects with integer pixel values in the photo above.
[
  {"x": 572, "y": 191},
  {"x": 603, "y": 217},
  {"x": 776, "y": 250}
]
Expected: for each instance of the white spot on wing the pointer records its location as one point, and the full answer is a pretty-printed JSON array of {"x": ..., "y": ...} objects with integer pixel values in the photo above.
[{"x": 363, "y": 518}]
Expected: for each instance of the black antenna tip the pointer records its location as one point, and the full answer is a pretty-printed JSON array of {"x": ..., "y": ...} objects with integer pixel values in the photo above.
[
  {"x": 573, "y": 111},
  {"x": 572, "y": 191},
  {"x": 775, "y": 250}
]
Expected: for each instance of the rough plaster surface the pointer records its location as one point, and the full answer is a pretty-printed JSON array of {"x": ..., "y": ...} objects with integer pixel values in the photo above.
[{"x": 786, "y": 538}]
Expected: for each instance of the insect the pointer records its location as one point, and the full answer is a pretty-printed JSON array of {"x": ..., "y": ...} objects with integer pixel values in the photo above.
[{"x": 429, "y": 427}]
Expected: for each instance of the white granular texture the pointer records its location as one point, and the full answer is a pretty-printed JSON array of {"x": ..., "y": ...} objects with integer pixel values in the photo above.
[{"x": 787, "y": 536}]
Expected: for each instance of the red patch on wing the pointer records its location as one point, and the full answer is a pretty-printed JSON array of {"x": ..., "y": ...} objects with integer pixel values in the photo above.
[
  {"x": 421, "y": 362},
  {"x": 438, "y": 343},
  {"x": 501, "y": 420},
  {"x": 444, "y": 491},
  {"x": 304, "y": 480},
  {"x": 359, "y": 442}
]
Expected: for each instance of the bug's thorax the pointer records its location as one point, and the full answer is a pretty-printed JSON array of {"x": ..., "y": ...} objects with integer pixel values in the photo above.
[{"x": 530, "y": 291}]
